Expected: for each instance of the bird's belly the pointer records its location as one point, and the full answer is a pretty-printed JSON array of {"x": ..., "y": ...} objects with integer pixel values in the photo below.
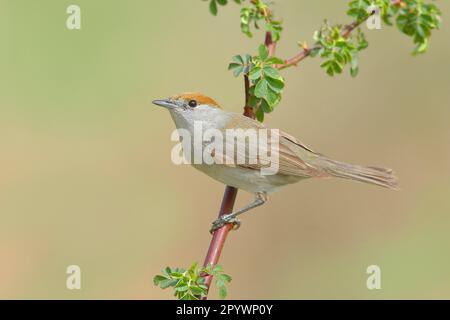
[{"x": 246, "y": 179}]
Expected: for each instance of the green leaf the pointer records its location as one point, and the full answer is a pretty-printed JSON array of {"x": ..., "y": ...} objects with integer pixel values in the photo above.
[
  {"x": 255, "y": 73},
  {"x": 276, "y": 85},
  {"x": 181, "y": 289},
  {"x": 261, "y": 88},
  {"x": 354, "y": 69},
  {"x": 217, "y": 269},
  {"x": 198, "y": 291},
  {"x": 252, "y": 90},
  {"x": 240, "y": 64},
  {"x": 259, "y": 114},
  {"x": 238, "y": 71},
  {"x": 226, "y": 277},
  {"x": 238, "y": 59},
  {"x": 254, "y": 101},
  {"x": 158, "y": 278},
  {"x": 266, "y": 107},
  {"x": 167, "y": 283},
  {"x": 272, "y": 98},
  {"x": 271, "y": 72},
  {"x": 234, "y": 65},
  {"x": 338, "y": 67},
  {"x": 339, "y": 57},
  {"x": 327, "y": 65},
  {"x": 362, "y": 41},
  {"x": 263, "y": 52},
  {"x": 420, "y": 31},
  {"x": 223, "y": 292},
  {"x": 274, "y": 60},
  {"x": 176, "y": 274},
  {"x": 222, "y": 2},
  {"x": 213, "y": 7},
  {"x": 421, "y": 48},
  {"x": 330, "y": 71}
]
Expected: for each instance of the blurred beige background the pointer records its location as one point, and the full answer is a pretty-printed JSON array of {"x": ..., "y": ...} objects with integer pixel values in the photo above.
[{"x": 86, "y": 176}]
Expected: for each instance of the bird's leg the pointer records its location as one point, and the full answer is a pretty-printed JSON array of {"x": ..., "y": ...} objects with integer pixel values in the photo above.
[{"x": 260, "y": 199}]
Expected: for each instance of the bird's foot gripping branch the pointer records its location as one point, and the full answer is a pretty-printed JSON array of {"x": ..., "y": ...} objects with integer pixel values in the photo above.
[{"x": 339, "y": 46}]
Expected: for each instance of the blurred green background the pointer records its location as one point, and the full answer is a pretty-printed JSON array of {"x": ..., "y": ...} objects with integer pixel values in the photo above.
[{"x": 86, "y": 176}]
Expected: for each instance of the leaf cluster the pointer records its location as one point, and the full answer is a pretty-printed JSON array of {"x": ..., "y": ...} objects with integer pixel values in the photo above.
[
  {"x": 250, "y": 16},
  {"x": 338, "y": 50},
  {"x": 266, "y": 82},
  {"x": 415, "y": 18},
  {"x": 189, "y": 284},
  {"x": 255, "y": 13}
]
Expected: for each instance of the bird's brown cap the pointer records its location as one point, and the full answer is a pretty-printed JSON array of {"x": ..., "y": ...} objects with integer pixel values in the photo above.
[{"x": 200, "y": 98}]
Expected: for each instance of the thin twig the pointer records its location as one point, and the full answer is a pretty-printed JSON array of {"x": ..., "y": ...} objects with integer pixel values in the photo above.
[
  {"x": 307, "y": 51},
  {"x": 295, "y": 59}
]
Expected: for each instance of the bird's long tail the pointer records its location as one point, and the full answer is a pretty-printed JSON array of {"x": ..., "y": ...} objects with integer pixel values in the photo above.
[{"x": 374, "y": 175}]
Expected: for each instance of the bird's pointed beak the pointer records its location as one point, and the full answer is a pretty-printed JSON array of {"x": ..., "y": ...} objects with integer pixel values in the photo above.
[{"x": 165, "y": 103}]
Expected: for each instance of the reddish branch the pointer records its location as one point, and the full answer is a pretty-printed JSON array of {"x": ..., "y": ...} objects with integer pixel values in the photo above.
[
  {"x": 248, "y": 110},
  {"x": 271, "y": 46},
  {"x": 355, "y": 24},
  {"x": 295, "y": 59},
  {"x": 220, "y": 235}
]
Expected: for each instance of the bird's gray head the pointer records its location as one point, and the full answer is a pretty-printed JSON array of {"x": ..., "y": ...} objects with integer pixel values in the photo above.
[
  {"x": 187, "y": 102},
  {"x": 186, "y": 108}
]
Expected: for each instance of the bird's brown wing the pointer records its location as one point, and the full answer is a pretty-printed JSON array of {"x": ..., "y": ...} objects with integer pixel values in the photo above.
[{"x": 292, "y": 157}]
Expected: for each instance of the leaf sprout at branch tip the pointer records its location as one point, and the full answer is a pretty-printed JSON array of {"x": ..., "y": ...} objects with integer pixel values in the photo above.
[{"x": 189, "y": 284}]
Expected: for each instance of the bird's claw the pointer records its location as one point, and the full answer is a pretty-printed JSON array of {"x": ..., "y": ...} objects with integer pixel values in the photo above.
[{"x": 219, "y": 223}]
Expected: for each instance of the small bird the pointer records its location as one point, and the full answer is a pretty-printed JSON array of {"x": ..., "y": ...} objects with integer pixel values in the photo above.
[{"x": 295, "y": 160}]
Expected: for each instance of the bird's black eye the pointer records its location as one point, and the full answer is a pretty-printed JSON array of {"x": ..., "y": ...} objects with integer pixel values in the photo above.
[{"x": 192, "y": 103}]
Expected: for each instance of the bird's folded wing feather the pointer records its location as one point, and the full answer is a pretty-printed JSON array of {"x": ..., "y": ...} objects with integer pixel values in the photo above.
[{"x": 293, "y": 156}]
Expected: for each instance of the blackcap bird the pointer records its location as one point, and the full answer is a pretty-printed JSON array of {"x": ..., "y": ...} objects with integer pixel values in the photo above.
[{"x": 294, "y": 161}]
